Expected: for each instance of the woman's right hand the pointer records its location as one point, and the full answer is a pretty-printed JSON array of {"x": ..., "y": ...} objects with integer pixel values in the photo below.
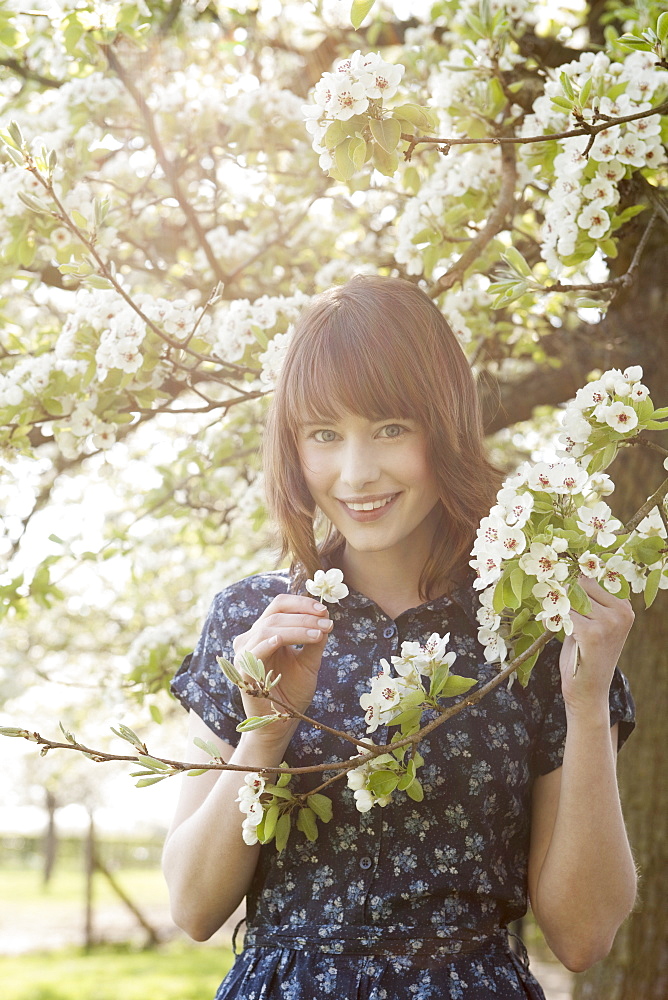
[{"x": 289, "y": 620}]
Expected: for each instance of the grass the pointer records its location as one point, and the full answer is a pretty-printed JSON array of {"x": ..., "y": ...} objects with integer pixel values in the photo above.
[
  {"x": 174, "y": 972},
  {"x": 24, "y": 886}
]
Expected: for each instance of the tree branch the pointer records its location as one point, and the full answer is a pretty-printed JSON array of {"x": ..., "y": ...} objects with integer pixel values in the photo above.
[
  {"x": 495, "y": 223},
  {"x": 589, "y": 130},
  {"x": 22, "y": 70},
  {"x": 168, "y": 167}
]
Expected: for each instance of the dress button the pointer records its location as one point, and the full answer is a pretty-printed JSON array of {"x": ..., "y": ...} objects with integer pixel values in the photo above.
[
  {"x": 388, "y": 632},
  {"x": 365, "y": 863}
]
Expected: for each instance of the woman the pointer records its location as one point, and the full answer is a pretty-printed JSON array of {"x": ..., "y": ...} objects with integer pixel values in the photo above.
[{"x": 375, "y": 434}]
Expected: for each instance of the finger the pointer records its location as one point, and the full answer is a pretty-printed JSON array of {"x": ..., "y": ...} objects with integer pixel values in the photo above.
[
  {"x": 294, "y": 604},
  {"x": 264, "y": 645},
  {"x": 279, "y": 621},
  {"x": 597, "y": 593}
]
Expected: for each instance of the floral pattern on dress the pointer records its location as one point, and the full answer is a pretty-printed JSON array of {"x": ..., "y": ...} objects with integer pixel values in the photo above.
[{"x": 410, "y": 901}]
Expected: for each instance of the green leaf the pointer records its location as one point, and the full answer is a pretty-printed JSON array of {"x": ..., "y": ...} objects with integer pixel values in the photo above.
[
  {"x": 336, "y": 133},
  {"x": 307, "y": 823},
  {"x": 385, "y": 163},
  {"x": 283, "y": 828},
  {"x": 207, "y": 747},
  {"x": 579, "y": 599},
  {"x": 519, "y": 621},
  {"x": 410, "y": 717},
  {"x": 255, "y": 722},
  {"x": 649, "y": 550},
  {"x": 79, "y": 219},
  {"x": 585, "y": 92},
  {"x": 517, "y": 578},
  {"x": 321, "y": 806},
  {"x": 421, "y": 118},
  {"x": 652, "y": 586},
  {"x": 415, "y": 791},
  {"x": 357, "y": 151},
  {"x": 456, "y": 684},
  {"x": 150, "y": 781},
  {"x": 284, "y": 779},
  {"x": 344, "y": 165},
  {"x": 383, "y": 782},
  {"x": 229, "y": 670},
  {"x": 17, "y": 158},
  {"x": 152, "y": 762},
  {"x": 386, "y": 132},
  {"x": 271, "y": 817},
  {"x": 633, "y": 42},
  {"x": 567, "y": 86},
  {"x": 510, "y": 598},
  {"x": 662, "y": 26},
  {"x": 279, "y": 791},
  {"x": 16, "y": 134},
  {"x": 514, "y": 258},
  {"x": 359, "y": 11},
  {"x": 498, "y": 601},
  {"x": 252, "y": 665}
]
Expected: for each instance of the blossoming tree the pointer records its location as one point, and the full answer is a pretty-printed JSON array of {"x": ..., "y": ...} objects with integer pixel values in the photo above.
[{"x": 178, "y": 178}]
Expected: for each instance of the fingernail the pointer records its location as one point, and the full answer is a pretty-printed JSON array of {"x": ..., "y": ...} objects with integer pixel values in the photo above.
[
  {"x": 273, "y": 640},
  {"x": 314, "y": 633},
  {"x": 325, "y": 622},
  {"x": 318, "y": 607}
]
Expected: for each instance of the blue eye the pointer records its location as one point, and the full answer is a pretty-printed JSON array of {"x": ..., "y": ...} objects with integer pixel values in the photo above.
[
  {"x": 324, "y": 436},
  {"x": 393, "y": 430}
]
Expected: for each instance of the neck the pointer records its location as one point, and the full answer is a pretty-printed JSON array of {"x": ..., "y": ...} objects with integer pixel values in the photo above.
[{"x": 390, "y": 581}]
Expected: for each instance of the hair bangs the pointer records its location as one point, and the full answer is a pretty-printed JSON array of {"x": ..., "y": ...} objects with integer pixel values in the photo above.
[{"x": 349, "y": 366}]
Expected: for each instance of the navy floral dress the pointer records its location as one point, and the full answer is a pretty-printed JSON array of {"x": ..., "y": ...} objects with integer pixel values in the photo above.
[{"x": 410, "y": 901}]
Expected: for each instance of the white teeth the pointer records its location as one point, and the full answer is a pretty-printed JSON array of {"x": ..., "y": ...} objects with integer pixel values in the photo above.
[{"x": 372, "y": 505}]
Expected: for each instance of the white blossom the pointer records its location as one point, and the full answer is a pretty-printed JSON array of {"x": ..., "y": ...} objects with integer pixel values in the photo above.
[
  {"x": 590, "y": 564},
  {"x": 598, "y": 522},
  {"x": 621, "y": 418},
  {"x": 328, "y": 585},
  {"x": 542, "y": 561}
]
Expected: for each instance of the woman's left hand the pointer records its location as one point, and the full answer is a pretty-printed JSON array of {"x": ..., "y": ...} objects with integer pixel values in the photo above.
[{"x": 600, "y": 636}]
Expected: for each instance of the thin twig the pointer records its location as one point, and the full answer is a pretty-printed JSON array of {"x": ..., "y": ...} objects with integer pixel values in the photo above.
[
  {"x": 178, "y": 766},
  {"x": 413, "y": 141},
  {"x": 656, "y": 500},
  {"x": 164, "y": 161},
  {"x": 623, "y": 280}
]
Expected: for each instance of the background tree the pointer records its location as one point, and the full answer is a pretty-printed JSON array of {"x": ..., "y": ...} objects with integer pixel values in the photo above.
[{"x": 165, "y": 217}]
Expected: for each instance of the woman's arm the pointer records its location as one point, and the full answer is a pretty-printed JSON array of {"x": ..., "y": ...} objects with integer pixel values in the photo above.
[
  {"x": 582, "y": 879},
  {"x": 207, "y": 865}
]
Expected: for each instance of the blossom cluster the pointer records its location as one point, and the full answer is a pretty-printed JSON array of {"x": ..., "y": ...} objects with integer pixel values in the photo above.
[
  {"x": 241, "y": 324},
  {"x": 249, "y": 804},
  {"x": 400, "y": 700},
  {"x": 355, "y": 82},
  {"x": 580, "y": 212},
  {"x": 387, "y": 696},
  {"x": 551, "y": 525}
]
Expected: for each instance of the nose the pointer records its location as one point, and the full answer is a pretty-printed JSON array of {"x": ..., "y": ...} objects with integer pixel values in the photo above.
[{"x": 359, "y": 465}]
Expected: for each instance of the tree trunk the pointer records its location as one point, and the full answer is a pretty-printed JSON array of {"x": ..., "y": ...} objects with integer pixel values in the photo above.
[
  {"x": 89, "y": 870},
  {"x": 50, "y": 843},
  {"x": 637, "y": 967}
]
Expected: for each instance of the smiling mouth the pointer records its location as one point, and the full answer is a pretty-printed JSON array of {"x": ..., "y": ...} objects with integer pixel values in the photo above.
[{"x": 369, "y": 504}]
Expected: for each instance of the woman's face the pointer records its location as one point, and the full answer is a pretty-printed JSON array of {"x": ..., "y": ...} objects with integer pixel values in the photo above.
[{"x": 373, "y": 480}]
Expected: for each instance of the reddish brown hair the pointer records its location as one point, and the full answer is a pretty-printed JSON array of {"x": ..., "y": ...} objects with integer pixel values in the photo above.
[{"x": 379, "y": 347}]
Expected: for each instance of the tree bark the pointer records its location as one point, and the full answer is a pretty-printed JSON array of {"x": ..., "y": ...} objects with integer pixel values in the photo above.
[
  {"x": 50, "y": 843},
  {"x": 637, "y": 967}
]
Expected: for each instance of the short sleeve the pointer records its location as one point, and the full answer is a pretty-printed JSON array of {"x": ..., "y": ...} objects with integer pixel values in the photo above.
[
  {"x": 200, "y": 684},
  {"x": 548, "y": 750}
]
